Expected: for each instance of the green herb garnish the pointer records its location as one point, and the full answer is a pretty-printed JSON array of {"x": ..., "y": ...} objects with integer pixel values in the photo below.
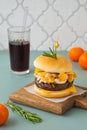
[
  {"x": 53, "y": 85},
  {"x": 52, "y": 52},
  {"x": 33, "y": 117},
  {"x": 70, "y": 84}
]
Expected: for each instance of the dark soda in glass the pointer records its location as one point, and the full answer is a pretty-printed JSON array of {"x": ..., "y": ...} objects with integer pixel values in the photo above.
[{"x": 19, "y": 55}]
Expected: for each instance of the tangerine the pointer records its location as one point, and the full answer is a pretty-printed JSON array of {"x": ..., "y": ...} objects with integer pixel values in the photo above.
[
  {"x": 83, "y": 60},
  {"x": 75, "y": 52},
  {"x": 4, "y": 113}
]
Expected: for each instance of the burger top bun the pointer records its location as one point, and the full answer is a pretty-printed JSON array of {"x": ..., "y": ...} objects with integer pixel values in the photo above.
[{"x": 61, "y": 64}]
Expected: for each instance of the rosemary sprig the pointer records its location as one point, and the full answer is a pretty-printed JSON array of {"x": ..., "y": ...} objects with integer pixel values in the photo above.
[
  {"x": 33, "y": 117},
  {"x": 52, "y": 52}
]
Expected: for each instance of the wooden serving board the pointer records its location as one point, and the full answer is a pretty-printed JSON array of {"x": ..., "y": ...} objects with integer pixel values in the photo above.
[{"x": 23, "y": 97}]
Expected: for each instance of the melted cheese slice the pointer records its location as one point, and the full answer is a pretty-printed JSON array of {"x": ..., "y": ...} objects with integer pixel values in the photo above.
[{"x": 58, "y": 78}]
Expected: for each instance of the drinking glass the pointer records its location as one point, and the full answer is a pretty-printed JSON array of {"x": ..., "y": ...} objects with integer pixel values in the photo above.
[{"x": 19, "y": 49}]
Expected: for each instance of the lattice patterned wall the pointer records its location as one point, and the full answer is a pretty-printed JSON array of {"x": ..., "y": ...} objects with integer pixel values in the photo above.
[{"x": 49, "y": 20}]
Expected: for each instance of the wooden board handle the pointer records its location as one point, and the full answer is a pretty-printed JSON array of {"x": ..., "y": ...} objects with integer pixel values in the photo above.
[{"x": 81, "y": 102}]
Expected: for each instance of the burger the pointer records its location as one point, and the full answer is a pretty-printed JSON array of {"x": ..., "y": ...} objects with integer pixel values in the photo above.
[{"x": 54, "y": 77}]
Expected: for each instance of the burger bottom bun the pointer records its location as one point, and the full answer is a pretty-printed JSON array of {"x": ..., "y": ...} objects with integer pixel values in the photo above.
[{"x": 52, "y": 94}]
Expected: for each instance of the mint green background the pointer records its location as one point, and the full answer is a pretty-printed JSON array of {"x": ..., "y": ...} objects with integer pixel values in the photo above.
[{"x": 74, "y": 119}]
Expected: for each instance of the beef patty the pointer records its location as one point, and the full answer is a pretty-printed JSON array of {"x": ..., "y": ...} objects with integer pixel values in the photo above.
[{"x": 52, "y": 86}]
